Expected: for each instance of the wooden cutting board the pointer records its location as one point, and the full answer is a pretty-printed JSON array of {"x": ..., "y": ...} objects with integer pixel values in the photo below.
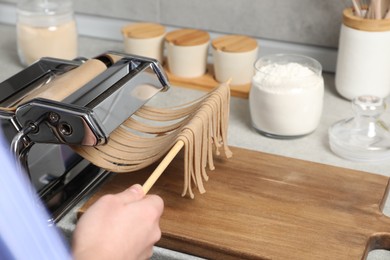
[{"x": 262, "y": 206}]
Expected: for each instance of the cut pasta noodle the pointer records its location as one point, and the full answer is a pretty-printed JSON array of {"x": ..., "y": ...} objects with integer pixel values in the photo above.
[
  {"x": 149, "y": 134},
  {"x": 139, "y": 142}
]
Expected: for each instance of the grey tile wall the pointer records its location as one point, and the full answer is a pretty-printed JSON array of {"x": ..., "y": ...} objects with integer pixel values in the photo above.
[
  {"x": 139, "y": 10},
  {"x": 312, "y": 22},
  {"x": 303, "y": 21}
]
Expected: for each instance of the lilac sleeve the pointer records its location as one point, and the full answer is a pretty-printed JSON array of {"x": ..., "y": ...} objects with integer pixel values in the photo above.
[{"x": 24, "y": 229}]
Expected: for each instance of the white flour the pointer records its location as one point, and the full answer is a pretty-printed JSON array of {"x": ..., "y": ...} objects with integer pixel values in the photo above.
[{"x": 286, "y": 99}]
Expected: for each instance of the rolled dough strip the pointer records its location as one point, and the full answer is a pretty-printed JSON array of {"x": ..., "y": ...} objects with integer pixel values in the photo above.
[
  {"x": 139, "y": 142},
  {"x": 65, "y": 84},
  {"x": 201, "y": 124}
]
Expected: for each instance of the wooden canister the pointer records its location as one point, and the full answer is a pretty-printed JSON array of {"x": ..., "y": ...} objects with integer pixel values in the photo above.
[
  {"x": 187, "y": 51},
  {"x": 234, "y": 57},
  {"x": 363, "y": 59},
  {"x": 144, "y": 39}
]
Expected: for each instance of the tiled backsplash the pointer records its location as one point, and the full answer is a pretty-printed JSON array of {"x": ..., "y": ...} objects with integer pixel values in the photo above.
[{"x": 312, "y": 22}]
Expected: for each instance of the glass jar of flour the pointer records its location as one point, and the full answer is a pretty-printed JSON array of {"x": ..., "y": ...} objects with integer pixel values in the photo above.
[
  {"x": 46, "y": 28},
  {"x": 286, "y": 95}
]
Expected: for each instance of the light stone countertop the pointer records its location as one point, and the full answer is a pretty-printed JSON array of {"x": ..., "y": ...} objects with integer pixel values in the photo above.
[{"x": 313, "y": 147}]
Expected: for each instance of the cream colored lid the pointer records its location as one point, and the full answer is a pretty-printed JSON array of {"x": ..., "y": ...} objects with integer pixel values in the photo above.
[
  {"x": 143, "y": 30},
  {"x": 187, "y": 37},
  {"x": 234, "y": 43}
]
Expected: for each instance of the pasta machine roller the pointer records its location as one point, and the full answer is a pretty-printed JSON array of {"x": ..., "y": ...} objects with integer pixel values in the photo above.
[{"x": 41, "y": 130}]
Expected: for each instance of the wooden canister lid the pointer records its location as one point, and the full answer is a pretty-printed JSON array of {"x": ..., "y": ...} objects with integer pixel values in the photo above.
[
  {"x": 363, "y": 24},
  {"x": 187, "y": 37},
  {"x": 143, "y": 30},
  {"x": 234, "y": 43}
]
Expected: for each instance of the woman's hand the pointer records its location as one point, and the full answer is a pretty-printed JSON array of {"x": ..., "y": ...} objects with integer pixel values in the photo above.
[{"x": 119, "y": 226}]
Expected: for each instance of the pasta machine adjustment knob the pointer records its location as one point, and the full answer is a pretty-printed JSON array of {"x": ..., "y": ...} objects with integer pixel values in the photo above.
[{"x": 59, "y": 123}]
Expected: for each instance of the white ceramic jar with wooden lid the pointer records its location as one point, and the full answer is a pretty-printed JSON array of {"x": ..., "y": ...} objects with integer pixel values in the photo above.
[
  {"x": 187, "y": 51},
  {"x": 144, "y": 39},
  {"x": 234, "y": 57},
  {"x": 363, "y": 59}
]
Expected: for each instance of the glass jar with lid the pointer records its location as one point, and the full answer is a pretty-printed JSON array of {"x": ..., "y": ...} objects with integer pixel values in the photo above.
[{"x": 46, "y": 28}]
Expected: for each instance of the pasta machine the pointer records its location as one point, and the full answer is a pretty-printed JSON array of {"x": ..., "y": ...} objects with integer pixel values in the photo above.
[{"x": 41, "y": 131}]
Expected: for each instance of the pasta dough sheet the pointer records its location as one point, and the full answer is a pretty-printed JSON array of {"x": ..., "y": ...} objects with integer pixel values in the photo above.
[
  {"x": 59, "y": 87},
  {"x": 151, "y": 132}
]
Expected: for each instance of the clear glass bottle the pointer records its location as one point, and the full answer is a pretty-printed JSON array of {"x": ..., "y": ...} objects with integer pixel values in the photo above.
[
  {"x": 364, "y": 137},
  {"x": 46, "y": 28}
]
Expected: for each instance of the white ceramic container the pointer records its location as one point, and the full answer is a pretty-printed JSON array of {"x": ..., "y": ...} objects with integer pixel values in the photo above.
[
  {"x": 144, "y": 39},
  {"x": 187, "y": 51},
  {"x": 363, "y": 60},
  {"x": 233, "y": 58}
]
